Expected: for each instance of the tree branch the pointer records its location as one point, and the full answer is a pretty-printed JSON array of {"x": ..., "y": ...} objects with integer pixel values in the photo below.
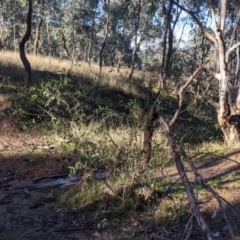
[
  {"x": 223, "y": 14},
  {"x": 212, "y": 73},
  {"x": 182, "y": 172},
  {"x": 201, "y": 181},
  {"x": 231, "y": 49},
  {"x": 182, "y": 90},
  {"x": 234, "y": 30},
  {"x": 204, "y": 30}
]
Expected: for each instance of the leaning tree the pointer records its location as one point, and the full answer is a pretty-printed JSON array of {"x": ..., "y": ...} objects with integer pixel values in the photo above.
[{"x": 22, "y": 43}]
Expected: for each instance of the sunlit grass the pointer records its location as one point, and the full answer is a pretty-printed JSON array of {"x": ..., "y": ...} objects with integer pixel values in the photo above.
[{"x": 12, "y": 66}]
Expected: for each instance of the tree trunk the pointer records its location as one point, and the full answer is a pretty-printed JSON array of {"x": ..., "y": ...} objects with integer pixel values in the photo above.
[
  {"x": 231, "y": 133},
  {"x": 228, "y": 117},
  {"x": 107, "y": 5},
  {"x": 49, "y": 45},
  {"x": 26, "y": 64},
  {"x": 37, "y": 37},
  {"x": 14, "y": 37},
  {"x": 2, "y": 47},
  {"x": 148, "y": 134},
  {"x": 65, "y": 44},
  {"x": 136, "y": 44}
]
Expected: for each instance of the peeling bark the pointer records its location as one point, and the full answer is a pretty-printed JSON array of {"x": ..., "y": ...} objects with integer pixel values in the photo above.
[{"x": 148, "y": 133}]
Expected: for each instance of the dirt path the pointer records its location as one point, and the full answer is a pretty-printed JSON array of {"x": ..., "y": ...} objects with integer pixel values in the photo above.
[
  {"x": 32, "y": 214},
  {"x": 29, "y": 209},
  {"x": 210, "y": 167}
]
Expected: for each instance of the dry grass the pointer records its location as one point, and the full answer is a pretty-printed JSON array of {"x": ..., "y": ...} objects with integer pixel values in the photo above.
[
  {"x": 114, "y": 149},
  {"x": 12, "y": 66},
  {"x": 41, "y": 65},
  {"x": 124, "y": 136}
]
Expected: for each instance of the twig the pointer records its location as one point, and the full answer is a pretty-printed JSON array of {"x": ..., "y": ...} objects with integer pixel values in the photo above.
[
  {"x": 48, "y": 113},
  {"x": 114, "y": 192},
  {"x": 201, "y": 181},
  {"x": 225, "y": 157},
  {"x": 188, "y": 228},
  {"x": 172, "y": 149},
  {"x": 155, "y": 209},
  {"x": 50, "y": 176},
  {"x": 182, "y": 90}
]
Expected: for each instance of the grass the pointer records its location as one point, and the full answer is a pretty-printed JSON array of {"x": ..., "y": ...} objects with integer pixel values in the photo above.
[
  {"x": 99, "y": 120},
  {"x": 32, "y": 159},
  {"x": 45, "y": 67}
]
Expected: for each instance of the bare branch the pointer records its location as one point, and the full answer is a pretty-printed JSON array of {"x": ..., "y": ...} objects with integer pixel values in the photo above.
[
  {"x": 182, "y": 172},
  {"x": 223, "y": 14},
  {"x": 212, "y": 73},
  {"x": 65, "y": 43},
  {"x": 182, "y": 90},
  {"x": 213, "y": 18},
  {"x": 188, "y": 228},
  {"x": 234, "y": 29},
  {"x": 204, "y": 30},
  {"x": 231, "y": 49},
  {"x": 201, "y": 181}
]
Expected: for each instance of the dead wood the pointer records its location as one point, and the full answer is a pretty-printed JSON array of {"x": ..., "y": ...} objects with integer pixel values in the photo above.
[
  {"x": 199, "y": 179},
  {"x": 35, "y": 180},
  {"x": 174, "y": 153}
]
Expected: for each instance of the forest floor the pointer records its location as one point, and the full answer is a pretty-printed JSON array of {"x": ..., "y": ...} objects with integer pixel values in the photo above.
[
  {"x": 30, "y": 189},
  {"x": 34, "y": 181}
]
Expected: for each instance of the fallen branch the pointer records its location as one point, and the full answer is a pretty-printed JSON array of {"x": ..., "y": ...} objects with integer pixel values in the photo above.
[
  {"x": 201, "y": 181},
  {"x": 155, "y": 209},
  {"x": 35, "y": 180},
  {"x": 188, "y": 229},
  {"x": 47, "y": 112},
  {"x": 173, "y": 152}
]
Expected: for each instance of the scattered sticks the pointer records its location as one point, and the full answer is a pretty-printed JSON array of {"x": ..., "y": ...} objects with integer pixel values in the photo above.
[{"x": 176, "y": 152}]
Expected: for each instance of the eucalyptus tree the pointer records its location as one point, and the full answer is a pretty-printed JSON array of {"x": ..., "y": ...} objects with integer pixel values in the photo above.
[
  {"x": 2, "y": 27},
  {"x": 12, "y": 23},
  {"x": 26, "y": 36},
  {"x": 224, "y": 40},
  {"x": 75, "y": 29},
  {"x": 171, "y": 16}
]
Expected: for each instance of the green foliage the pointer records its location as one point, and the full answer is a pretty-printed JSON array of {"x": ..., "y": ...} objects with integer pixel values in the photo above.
[
  {"x": 32, "y": 159},
  {"x": 60, "y": 100}
]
